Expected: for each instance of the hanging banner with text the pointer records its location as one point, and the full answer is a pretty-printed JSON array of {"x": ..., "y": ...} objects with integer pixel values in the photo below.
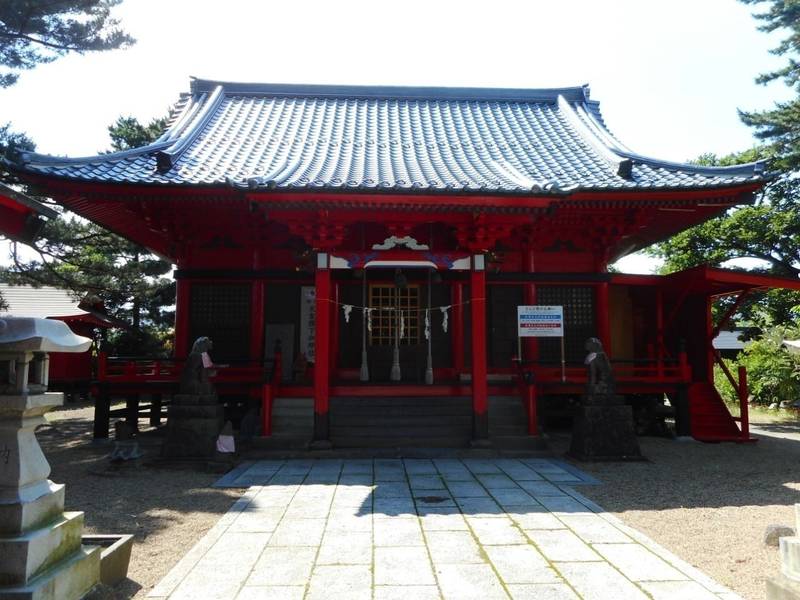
[{"x": 540, "y": 321}]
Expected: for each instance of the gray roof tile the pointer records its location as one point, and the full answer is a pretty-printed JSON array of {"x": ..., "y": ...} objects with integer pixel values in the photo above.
[{"x": 389, "y": 139}]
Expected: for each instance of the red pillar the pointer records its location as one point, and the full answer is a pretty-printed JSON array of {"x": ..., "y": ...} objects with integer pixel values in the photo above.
[
  {"x": 333, "y": 307},
  {"x": 257, "y": 318},
  {"x": 322, "y": 281},
  {"x": 457, "y": 327},
  {"x": 659, "y": 332},
  {"x": 480, "y": 402},
  {"x": 182, "y": 306},
  {"x": 602, "y": 316},
  {"x": 530, "y": 345}
]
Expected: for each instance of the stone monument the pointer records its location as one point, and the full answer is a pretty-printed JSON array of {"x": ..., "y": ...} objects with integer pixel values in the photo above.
[
  {"x": 603, "y": 428},
  {"x": 41, "y": 555},
  {"x": 786, "y": 586},
  {"x": 195, "y": 415}
]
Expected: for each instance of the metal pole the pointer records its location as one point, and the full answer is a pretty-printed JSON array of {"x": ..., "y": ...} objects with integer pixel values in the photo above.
[
  {"x": 429, "y": 367},
  {"x": 563, "y": 362},
  {"x": 364, "y": 374}
]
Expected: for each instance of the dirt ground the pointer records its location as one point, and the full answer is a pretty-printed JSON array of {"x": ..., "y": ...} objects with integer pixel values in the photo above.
[
  {"x": 168, "y": 511},
  {"x": 707, "y": 503}
]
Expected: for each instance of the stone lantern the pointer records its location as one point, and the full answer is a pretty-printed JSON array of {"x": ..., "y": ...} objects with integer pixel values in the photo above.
[{"x": 41, "y": 555}]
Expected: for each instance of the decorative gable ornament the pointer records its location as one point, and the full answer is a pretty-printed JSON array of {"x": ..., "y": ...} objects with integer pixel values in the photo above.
[{"x": 394, "y": 241}]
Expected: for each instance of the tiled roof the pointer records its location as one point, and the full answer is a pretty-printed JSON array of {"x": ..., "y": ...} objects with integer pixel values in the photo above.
[
  {"x": 41, "y": 302},
  {"x": 389, "y": 138},
  {"x": 47, "y": 302}
]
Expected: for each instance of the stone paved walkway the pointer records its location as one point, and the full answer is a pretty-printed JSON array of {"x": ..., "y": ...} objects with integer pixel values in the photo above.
[{"x": 419, "y": 529}]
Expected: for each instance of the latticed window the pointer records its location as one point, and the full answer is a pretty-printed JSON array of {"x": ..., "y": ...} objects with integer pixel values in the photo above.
[
  {"x": 221, "y": 312},
  {"x": 386, "y": 299},
  {"x": 579, "y": 324}
]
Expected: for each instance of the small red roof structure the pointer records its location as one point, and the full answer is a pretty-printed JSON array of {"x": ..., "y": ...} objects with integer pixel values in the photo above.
[{"x": 21, "y": 216}]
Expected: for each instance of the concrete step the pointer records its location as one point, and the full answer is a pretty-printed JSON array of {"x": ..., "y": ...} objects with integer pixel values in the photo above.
[
  {"x": 404, "y": 402},
  {"x": 518, "y": 442},
  {"x": 400, "y": 442},
  {"x": 400, "y": 420}
]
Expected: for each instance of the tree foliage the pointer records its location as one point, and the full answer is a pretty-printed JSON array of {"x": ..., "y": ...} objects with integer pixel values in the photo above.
[
  {"x": 773, "y": 372},
  {"x": 80, "y": 256},
  {"x": 767, "y": 230},
  {"x": 33, "y": 32},
  {"x": 780, "y": 125},
  {"x": 11, "y": 144},
  {"x": 127, "y": 132}
]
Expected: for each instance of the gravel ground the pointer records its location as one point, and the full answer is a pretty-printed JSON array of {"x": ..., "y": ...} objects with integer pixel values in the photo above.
[{"x": 707, "y": 503}]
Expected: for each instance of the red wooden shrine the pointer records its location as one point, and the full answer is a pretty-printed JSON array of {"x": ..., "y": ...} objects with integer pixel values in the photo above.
[{"x": 290, "y": 209}]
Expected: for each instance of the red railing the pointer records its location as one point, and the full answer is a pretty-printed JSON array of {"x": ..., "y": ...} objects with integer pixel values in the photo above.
[
  {"x": 128, "y": 371},
  {"x": 532, "y": 375}
]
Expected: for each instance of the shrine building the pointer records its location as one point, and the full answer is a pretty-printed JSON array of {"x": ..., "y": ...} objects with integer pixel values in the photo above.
[{"x": 386, "y": 235}]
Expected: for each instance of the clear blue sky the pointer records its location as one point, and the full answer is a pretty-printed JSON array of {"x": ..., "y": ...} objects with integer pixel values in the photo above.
[{"x": 669, "y": 75}]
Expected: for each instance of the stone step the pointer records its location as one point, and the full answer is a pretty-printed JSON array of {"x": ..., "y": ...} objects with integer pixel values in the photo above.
[
  {"x": 400, "y": 420},
  {"x": 24, "y": 516},
  {"x": 517, "y": 429},
  {"x": 404, "y": 430},
  {"x": 518, "y": 442},
  {"x": 281, "y": 442},
  {"x": 400, "y": 442},
  {"x": 24, "y": 556},
  {"x": 71, "y": 578},
  {"x": 790, "y": 557},
  {"x": 404, "y": 402}
]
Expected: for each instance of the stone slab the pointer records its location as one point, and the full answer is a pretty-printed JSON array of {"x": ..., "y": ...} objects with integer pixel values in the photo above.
[
  {"x": 637, "y": 563},
  {"x": 22, "y": 516},
  {"x": 599, "y": 581},
  {"x": 340, "y": 582},
  {"x": 72, "y": 579},
  {"x": 24, "y": 556},
  {"x": 469, "y": 582},
  {"x": 521, "y": 564},
  {"x": 403, "y": 566}
]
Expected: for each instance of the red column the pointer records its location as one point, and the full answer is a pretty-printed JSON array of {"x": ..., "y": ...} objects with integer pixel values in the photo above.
[
  {"x": 457, "y": 327},
  {"x": 530, "y": 345},
  {"x": 480, "y": 402},
  {"x": 322, "y": 281},
  {"x": 602, "y": 316},
  {"x": 257, "y": 318},
  {"x": 182, "y": 306},
  {"x": 333, "y": 307},
  {"x": 659, "y": 332}
]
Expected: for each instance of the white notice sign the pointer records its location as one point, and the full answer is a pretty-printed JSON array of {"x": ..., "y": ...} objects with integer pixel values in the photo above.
[{"x": 540, "y": 321}]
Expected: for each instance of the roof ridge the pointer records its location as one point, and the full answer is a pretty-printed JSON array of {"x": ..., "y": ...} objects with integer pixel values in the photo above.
[
  {"x": 187, "y": 127},
  {"x": 487, "y": 94},
  {"x": 622, "y": 166}
]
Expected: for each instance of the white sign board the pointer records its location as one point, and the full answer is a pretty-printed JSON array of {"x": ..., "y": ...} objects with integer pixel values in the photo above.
[{"x": 540, "y": 321}]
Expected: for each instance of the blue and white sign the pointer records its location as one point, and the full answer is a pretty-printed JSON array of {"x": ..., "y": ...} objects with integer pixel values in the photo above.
[{"x": 540, "y": 321}]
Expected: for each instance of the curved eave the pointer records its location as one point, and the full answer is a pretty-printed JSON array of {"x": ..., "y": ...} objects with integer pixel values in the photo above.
[
  {"x": 748, "y": 184},
  {"x": 594, "y": 132}
]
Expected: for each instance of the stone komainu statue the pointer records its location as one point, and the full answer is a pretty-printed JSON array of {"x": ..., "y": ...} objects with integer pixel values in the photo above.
[
  {"x": 599, "y": 377},
  {"x": 194, "y": 378}
]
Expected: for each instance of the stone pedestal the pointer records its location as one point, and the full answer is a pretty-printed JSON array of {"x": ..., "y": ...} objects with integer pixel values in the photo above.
[
  {"x": 604, "y": 432},
  {"x": 787, "y": 585},
  {"x": 41, "y": 555},
  {"x": 193, "y": 424}
]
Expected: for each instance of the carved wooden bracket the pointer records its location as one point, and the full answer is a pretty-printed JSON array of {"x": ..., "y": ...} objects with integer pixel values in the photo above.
[{"x": 322, "y": 234}]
